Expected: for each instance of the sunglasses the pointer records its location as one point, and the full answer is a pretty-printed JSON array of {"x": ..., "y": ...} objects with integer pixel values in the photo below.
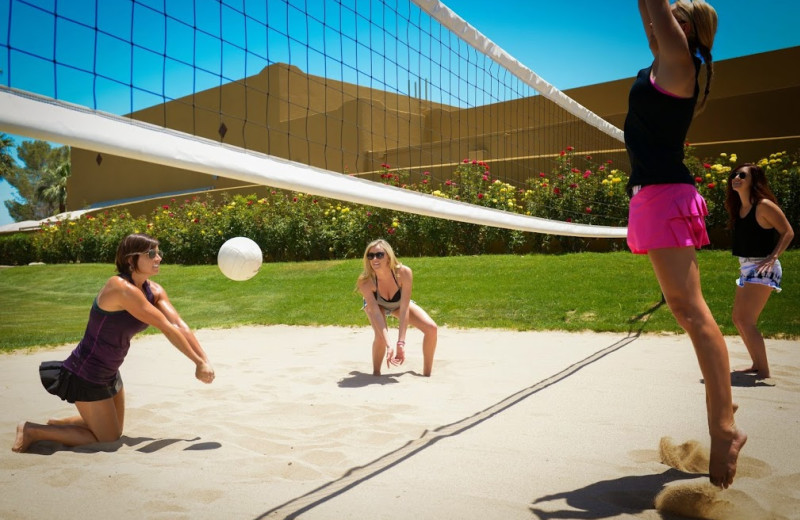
[
  {"x": 150, "y": 253},
  {"x": 740, "y": 174},
  {"x": 379, "y": 255}
]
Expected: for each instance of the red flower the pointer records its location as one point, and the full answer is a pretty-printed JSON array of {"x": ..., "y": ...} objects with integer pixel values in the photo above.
[
  {"x": 486, "y": 177},
  {"x": 569, "y": 219},
  {"x": 474, "y": 162},
  {"x": 480, "y": 195},
  {"x": 541, "y": 174},
  {"x": 294, "y": 199},
  {"x": 588, "y": 210},
  {"x": 711, "y": 185},
  {"x": 575, "y": 170},
  {"x": 165, "y": 206},
  {"x": 573, "y": 185},
  {"x": 390, "y": 231},
  {"x": 698, "y": 179},
  {"x": 556, "y": 191},
  {"x": 448, "y": 182},
  {"x": 570, "y": 148},
  {"x": 465, "y": 161},
  {"x": 706, "y": 165},
  {"x": 588, "y": 157},
  {"x": 197, "y": 220},
  {"x": 563, "y": 153},
  {"x": 424, "y": 181},
  {"x": 426, "y": 173}
]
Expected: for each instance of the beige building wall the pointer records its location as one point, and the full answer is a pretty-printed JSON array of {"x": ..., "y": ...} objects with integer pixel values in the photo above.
[{"x": 753, "y": 111}]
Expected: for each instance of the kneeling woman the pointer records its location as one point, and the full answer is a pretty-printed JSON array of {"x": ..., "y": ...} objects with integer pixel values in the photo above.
[
  {"x": 89, "y": 377},
  {"x": 386, "y": 286}
]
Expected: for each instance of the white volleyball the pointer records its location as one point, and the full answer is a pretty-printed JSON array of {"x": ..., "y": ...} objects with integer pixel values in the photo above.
[{"x": 239, "y": 258}]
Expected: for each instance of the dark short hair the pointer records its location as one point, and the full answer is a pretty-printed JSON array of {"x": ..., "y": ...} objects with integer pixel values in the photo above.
[{"x": 130, "y": 246}]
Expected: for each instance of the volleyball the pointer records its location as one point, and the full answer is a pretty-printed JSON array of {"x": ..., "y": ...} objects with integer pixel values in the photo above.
[{"x": 239, "y": 258}]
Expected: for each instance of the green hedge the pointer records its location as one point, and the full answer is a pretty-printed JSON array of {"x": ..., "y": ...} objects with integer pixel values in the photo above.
[{"x": 295, "y": 226}]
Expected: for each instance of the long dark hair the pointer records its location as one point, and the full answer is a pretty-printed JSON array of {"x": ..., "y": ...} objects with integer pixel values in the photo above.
[
  {"x": 130, "y": 246},
  {"x": 759, "y": 190}
]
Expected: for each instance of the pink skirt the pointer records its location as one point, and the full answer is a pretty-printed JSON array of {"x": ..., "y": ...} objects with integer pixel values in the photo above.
[{"x": 667, "y": 215}]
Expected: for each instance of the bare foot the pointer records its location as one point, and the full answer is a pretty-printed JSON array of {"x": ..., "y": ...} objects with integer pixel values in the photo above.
[
  {"x": 749, "y": 370},
  {"x": 724, "y": 455},
  {"x": 21, "y": 443}
]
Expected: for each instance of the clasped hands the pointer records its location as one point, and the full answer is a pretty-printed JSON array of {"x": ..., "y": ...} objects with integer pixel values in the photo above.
[{"x": 395, "y": 357}]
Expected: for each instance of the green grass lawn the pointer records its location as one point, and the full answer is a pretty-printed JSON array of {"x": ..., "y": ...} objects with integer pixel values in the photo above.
[{"x": 49, "y": 304}]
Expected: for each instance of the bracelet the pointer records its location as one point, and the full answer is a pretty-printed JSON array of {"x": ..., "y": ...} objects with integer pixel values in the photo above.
[{"x": 401, "y": 343}]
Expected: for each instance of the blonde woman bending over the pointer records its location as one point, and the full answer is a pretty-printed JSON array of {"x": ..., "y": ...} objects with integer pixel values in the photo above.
[{"x": 386, "y": 287}]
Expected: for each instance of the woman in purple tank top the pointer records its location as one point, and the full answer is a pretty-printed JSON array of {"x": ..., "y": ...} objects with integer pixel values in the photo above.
[{"x": 127, "y": 304}]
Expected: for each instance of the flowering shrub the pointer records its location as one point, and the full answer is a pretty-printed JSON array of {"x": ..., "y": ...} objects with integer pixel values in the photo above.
[{"x": 296, "y": 226}]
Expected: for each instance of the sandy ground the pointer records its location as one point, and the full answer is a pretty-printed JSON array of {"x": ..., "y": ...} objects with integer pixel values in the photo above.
[{"x": 512, "y": 425}]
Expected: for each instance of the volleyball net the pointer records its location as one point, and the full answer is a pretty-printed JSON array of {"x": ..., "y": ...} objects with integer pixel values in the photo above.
[{"x": 318, "y": 97}]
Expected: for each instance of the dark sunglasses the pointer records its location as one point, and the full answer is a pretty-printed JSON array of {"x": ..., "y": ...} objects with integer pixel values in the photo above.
[
  {"x": 740, "y": 174},
  {"x": 150, "y": 253},
  {"x": 379, "y": 255}
]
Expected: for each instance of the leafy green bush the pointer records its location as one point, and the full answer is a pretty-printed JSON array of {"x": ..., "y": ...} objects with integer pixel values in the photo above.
[{"x": 295, "y": 226}]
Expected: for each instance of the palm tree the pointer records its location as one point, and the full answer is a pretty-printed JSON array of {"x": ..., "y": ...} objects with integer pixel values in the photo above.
[{"x": 53, "y": 186}]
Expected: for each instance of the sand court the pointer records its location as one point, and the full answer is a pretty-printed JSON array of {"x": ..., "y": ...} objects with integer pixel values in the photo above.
[{"x": 511, "y": 425}]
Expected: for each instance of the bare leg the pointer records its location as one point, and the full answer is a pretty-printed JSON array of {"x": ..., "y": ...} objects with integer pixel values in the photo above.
[
  {"x": 419, "y": 318},
  {"x": 381, "y": 340},
  {"x": 747, "y": 306},
  {"x": 679, "y": 276},
  {"x": 101, "y": 423}
]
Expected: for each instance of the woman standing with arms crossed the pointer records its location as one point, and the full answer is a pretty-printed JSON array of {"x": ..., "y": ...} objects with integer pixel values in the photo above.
[
  {"x": 89, "y": 377},
  {"x": 761, "y": 232},
  {"x": 386, "y": 286},
  {"x": 666, "y": 217}
]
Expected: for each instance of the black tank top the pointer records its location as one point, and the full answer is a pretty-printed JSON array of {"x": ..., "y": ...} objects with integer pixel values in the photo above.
[
  {"x": 655, "y": 133},
  {"x": 752, "y": 240}
]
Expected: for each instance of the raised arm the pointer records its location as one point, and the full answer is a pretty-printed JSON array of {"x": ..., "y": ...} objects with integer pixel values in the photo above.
[{"x": 673, "y": 68}]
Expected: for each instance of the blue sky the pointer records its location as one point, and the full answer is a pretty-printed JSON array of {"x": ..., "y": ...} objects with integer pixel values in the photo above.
[{"x": 569, "y": 44}]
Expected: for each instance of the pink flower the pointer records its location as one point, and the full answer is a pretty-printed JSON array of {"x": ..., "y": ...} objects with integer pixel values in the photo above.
[
  {"x": 575, "y": 170},
  {"x": 426, "y": 173},
  {"x": 465, "y": 161},
  {"x": 586, "y": 174},
  {"x": 474, "y": 162},
  {"x": 424, "y": 181},
  {"x": 448, "y": 182},
  {"x": 486, "y": 177},
  {"x": 601, "y": 168}
]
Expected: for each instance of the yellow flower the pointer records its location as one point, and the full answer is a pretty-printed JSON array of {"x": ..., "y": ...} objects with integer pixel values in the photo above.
[
  {"x": 395, "y": 224},
  {"x": 723, "y": 154},
  {"x": 734, "y": 158}
]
